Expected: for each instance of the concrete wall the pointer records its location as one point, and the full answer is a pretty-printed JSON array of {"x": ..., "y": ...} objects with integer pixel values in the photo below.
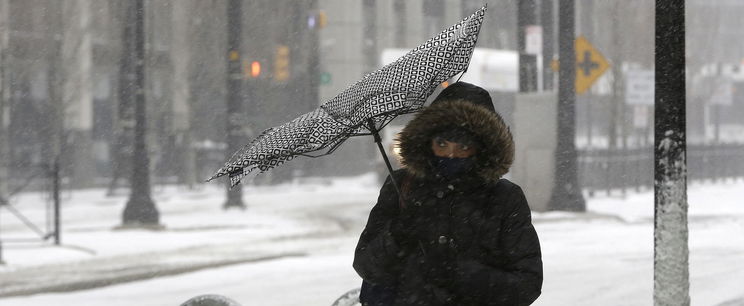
[{"x": 534, "y": 132}]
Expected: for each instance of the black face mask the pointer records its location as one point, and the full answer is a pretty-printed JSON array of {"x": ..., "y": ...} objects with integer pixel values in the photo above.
[{"x": 452, "y": 167}]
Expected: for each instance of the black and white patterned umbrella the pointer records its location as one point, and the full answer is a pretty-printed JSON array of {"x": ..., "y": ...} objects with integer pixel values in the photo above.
[{"x": 365, "y": 107}]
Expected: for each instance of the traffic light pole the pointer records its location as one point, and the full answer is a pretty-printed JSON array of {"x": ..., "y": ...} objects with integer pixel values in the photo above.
[
  {"x": 671, "y": 253},
  {"x": 527, "y": 62},
  {"x": 235, "y": 114},
  {"x": 566, "y": 194},
  {"x": 546, "y": 21},
  {"x": 313, "y": 66}
]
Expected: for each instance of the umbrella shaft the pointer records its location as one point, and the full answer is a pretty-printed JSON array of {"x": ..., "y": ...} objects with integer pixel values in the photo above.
[{"x": 378, "y": 140}]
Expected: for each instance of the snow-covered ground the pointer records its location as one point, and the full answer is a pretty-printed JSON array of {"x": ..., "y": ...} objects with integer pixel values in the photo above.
[{"x": 294, "y": 246}]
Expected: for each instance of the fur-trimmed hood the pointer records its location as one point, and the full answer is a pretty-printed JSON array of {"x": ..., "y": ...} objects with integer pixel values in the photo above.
[{"x": 495, "y": 153}]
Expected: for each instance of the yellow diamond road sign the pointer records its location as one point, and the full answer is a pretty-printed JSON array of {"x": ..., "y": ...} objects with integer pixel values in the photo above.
[{"x": 590, "y": 64}]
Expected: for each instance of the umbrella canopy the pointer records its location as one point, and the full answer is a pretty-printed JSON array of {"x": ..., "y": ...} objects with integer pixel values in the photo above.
[{"x": 365, "y": 107}]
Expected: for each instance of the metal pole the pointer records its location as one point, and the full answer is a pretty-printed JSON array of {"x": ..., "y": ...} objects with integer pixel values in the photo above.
[
  {"x": 618, "y": 103},
  {"x": 57, "y": 123},
  {"x": 140, "y": 209},
  {"x": 369, "y": 35},
  {"x": 588, "y": 100},
  {"x": 566, "y": 194},
  {"x": 671, "y": 262},
  {"x": 713, "y": 165},
  {"x": 370, "y": 44},
  {"x": 56, "y": 190},
  {"x": 717, "y": 125},
  {"x": 527, "y": 62},
  {"x": 401, "y": 23},
  {"x": 4, "y": 109},
  {"x": 125, "y": 121},
  {"x": 548, "y": 36},
  {"x": 235, "y": 132},
  {"x": 312, "y": 74},
  {"x": 314, "y": 59},
  {"x": 4, "y": 104},
  {"x": 378, "y": 140},
  {"x": 586, "y": 11},
  {"x": 617, "y": 76}
]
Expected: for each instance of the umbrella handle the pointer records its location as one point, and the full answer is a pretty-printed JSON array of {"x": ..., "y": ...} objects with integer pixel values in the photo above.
[{"x": 378, "y": 140}]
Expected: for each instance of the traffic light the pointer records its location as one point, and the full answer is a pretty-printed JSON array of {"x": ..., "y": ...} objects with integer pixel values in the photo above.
[
  {"x": 322, "y": 19},
  {"x": 251, "y": 69},
  {"x": 255, "y": 69},
  {"x": 317, "y": 20},
  {"x": 281, "y": 63}
]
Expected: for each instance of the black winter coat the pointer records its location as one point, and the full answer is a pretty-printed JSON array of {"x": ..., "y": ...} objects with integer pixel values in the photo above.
[{"x": 463, "y": 241}]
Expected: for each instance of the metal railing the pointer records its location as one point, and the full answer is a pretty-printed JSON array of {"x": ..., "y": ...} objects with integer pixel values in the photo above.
[
  {"x": 633, "y": 168},
  {"x": 52, "y": 228}
]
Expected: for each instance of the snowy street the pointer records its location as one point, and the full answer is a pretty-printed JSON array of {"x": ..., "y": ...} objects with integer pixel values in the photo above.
[{"x": 294, "y": 246}]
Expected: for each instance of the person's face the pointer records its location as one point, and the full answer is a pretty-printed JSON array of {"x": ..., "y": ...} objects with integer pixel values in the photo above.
[{"x": 449, "y": 149}]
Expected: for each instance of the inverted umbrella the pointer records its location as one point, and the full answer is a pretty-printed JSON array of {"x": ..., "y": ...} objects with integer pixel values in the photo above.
[{"x": 365, "y": 107}]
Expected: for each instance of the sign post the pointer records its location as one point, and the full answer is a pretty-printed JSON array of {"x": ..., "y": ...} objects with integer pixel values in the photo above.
[{"x": 722, "y": 96}]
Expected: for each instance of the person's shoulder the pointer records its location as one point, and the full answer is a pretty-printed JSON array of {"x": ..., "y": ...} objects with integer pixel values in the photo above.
[
  {"x": 399, "y": 175},
  {"x": 510, "y": 194},
  {"x": 400, "y": 172},
  {"x": 505, "y": 185}
]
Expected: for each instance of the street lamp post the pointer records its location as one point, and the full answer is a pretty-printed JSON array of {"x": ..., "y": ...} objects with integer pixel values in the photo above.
[
  {"x": 566, "y": 194},
  {"x": 235, "y": 114},
  {"x": 140, "y": 210}
]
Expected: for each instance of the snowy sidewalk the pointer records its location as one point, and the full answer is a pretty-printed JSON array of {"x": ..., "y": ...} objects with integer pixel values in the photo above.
[
  {"x": 281, "y": 221},
  {"x": 99, "y": 272},
  {"x": 119, "y": 269},
  {"x": 602, "y": 257}
]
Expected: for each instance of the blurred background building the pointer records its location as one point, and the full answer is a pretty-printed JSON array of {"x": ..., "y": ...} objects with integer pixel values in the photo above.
[{"x": 61, "y": 77}]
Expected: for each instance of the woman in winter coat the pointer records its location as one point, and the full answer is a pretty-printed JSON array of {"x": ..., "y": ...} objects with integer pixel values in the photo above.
[{"x": 458, "y": 234}]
